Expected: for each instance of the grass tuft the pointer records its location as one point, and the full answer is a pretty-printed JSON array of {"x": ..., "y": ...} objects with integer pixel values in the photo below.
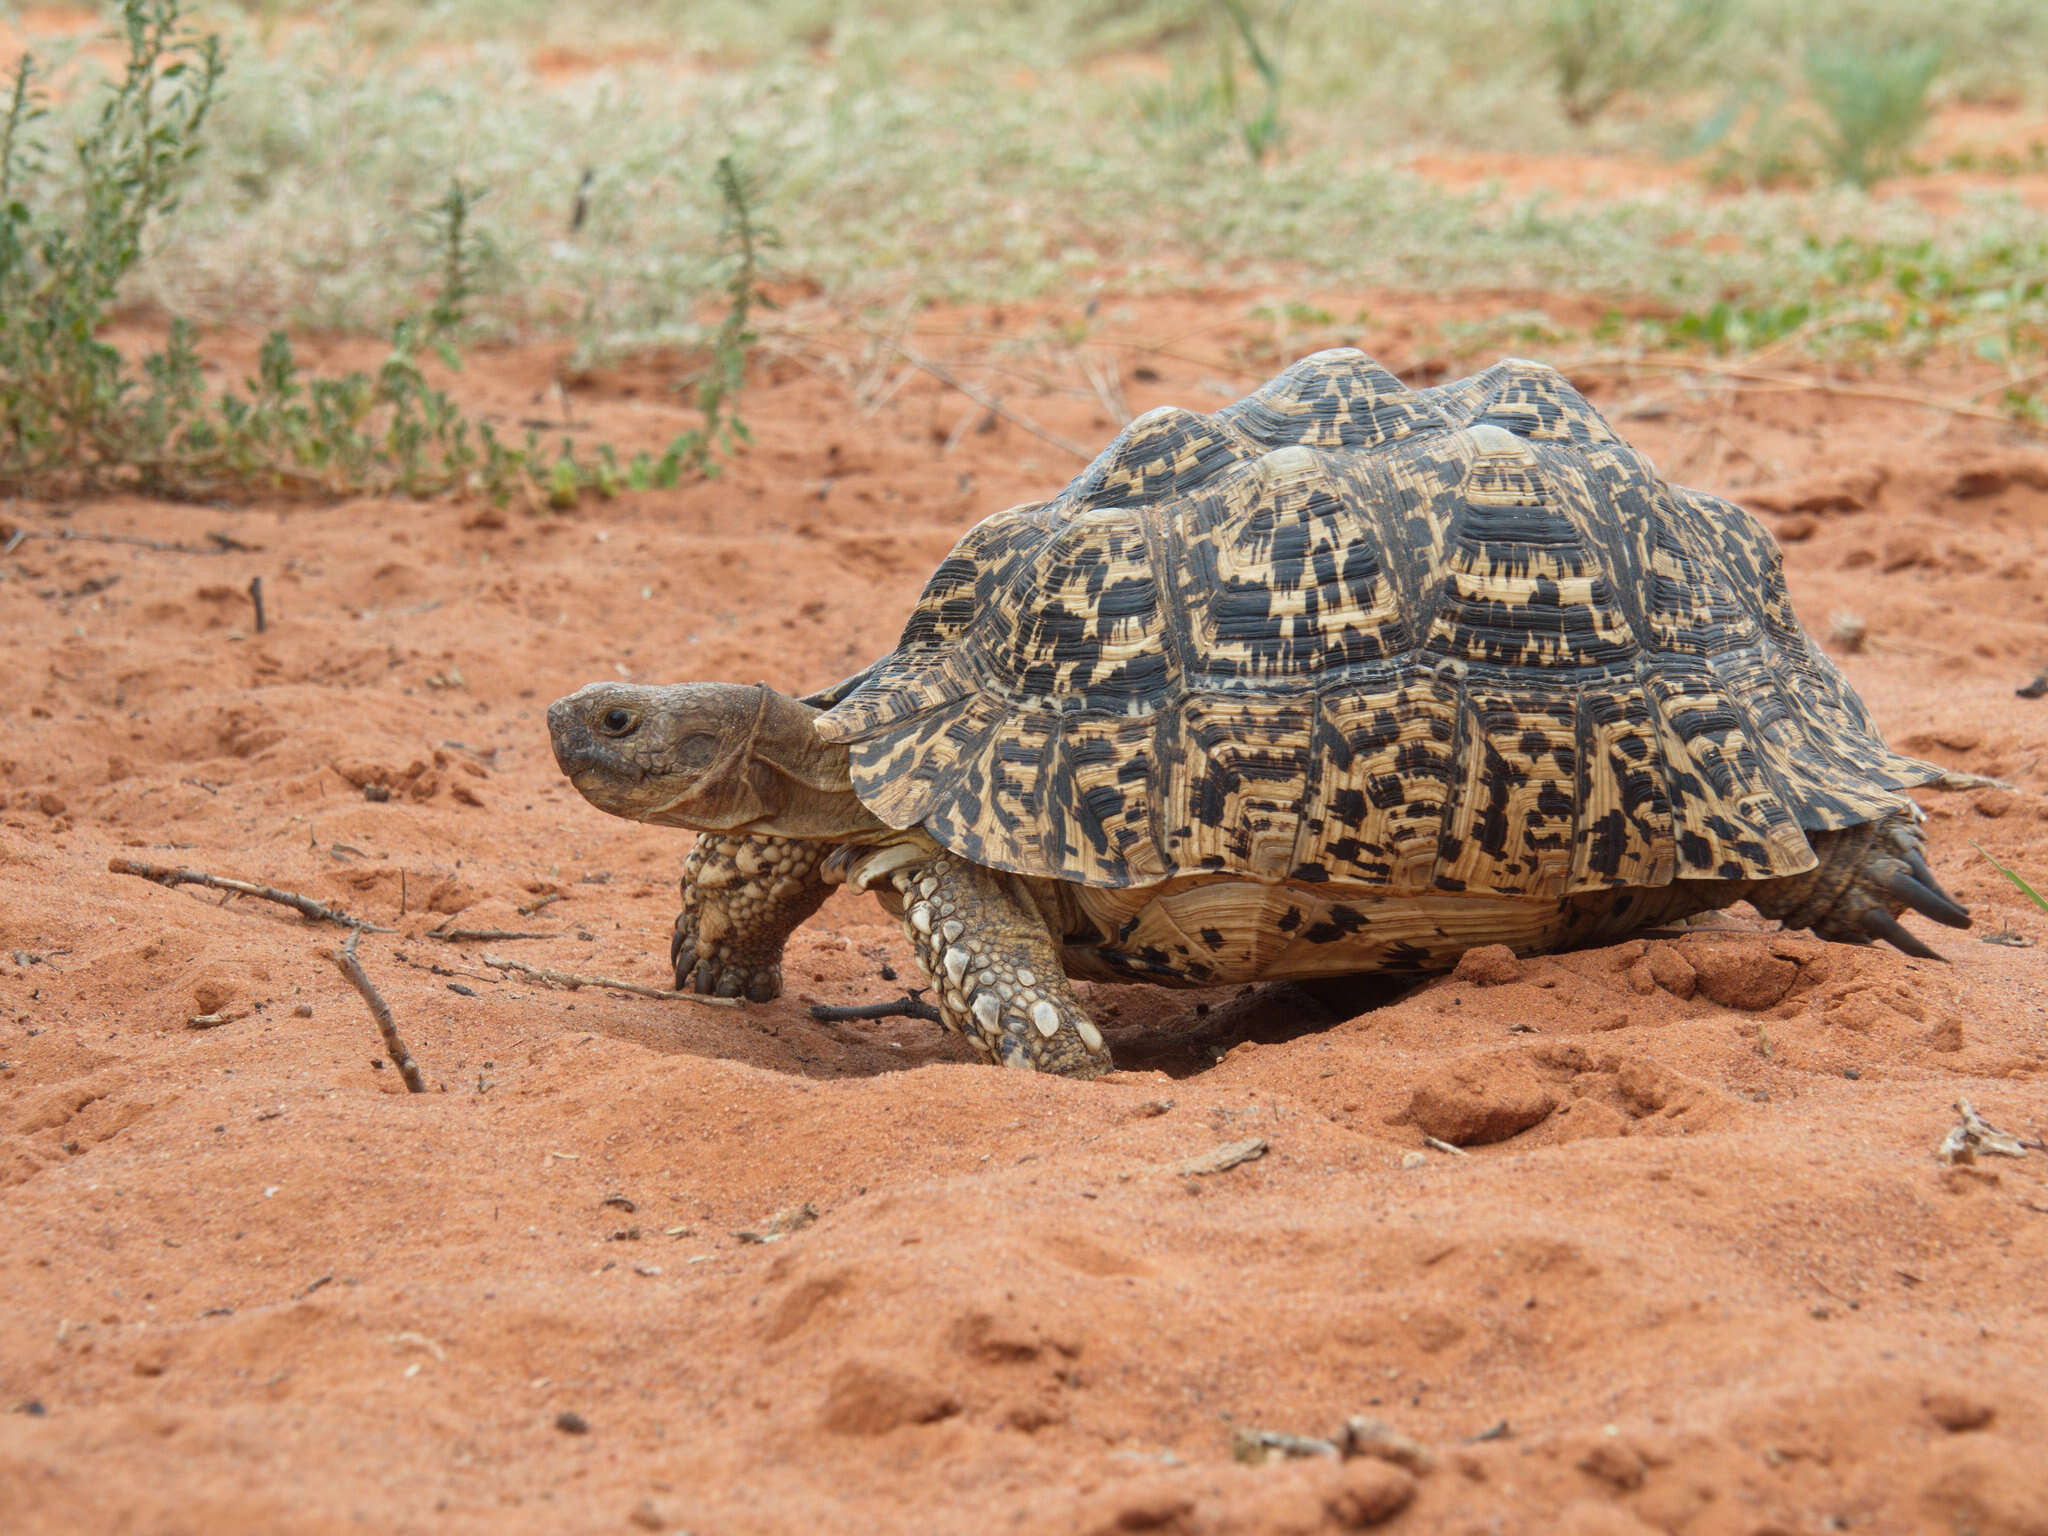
[
  {"x": 1876, "y": 104},
  {"x": 74, "y": 413},
  {"x": 1597, "y": 49}
]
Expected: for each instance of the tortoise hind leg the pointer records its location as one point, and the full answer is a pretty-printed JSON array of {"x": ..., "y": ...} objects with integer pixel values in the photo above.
[
  {"x": 996, "y": 968},
  {"x": 1866, "y": 877},
  {"x": 742, "y": 899}
]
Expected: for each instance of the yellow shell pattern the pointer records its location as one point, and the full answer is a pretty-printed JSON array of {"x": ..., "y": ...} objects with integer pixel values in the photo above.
[{"x": 1451, "y": 639}]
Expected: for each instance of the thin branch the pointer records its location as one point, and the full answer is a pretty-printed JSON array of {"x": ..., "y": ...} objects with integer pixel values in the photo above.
[
  {"x": 1792, "y": 381},
  {"x": 221, "y": 543},
  {"x": 1212, "y": 364},
  {"x": 305, "y": 905},
  {"x": 2023, "y": 382},
  {"x": 401, "y": 1056},
  {"x": 485, "y": 935},
  {"x": 909, "y": 1006},
  {"x": 1107, "y": 382},
  {"x": 1015, "y": 418},
  {"x": 571, "y": 981}
]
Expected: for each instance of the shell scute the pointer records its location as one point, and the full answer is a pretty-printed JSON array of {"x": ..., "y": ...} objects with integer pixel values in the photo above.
[{"x": 1460, "y": 638}]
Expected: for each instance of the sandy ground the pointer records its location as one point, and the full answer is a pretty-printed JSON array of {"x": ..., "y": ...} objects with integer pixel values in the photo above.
[{"x": 1699, "y": 1270}]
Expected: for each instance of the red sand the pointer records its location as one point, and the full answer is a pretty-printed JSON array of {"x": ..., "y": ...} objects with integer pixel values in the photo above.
[{"x": 1719, "y": 1283}]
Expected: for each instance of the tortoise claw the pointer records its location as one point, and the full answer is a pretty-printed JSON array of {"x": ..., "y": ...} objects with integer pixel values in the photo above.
[
  {"x": 1916, "y": 861},
  {"x": 1880, "y": 924},
  {"x": 1927, "y": 899}
]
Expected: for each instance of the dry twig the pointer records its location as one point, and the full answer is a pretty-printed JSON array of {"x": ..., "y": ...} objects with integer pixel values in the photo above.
[
  {"x": 1107, "y": 382},
  {"x": 910, "y": 1006},
  {"x": 449, "y": 935},
  {"x": 401, "y": 1057},
  {"x": 1791, "y": 381},
  {"x": 1015, "y": 418},
  {"x": 2024, "y": 382},
  {"x": 571, "y": 981},
  {"x": 345, "y": 957},
  {"x": 221, "y": 543},
  {"x": 315, "y": 911}
]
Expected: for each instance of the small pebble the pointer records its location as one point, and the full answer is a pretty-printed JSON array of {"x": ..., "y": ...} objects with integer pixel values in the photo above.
[{"x": 570, "y": 1422}]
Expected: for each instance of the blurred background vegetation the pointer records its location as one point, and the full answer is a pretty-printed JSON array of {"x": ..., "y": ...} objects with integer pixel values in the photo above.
[{"x": 1742, "y": 171}]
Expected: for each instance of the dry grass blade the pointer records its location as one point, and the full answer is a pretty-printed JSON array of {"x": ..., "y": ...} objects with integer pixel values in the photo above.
[
  {"x": 1105, "y": 379},
  {"x": 979, "y": 397},
  {"x": 1795, "y": 381}
]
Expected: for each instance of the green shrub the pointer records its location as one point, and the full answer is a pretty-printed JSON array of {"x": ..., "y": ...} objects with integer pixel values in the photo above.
[
  {"x": 1876, "y": 104},
  {"x": 74, "y": 414},
  {"x": 66, "y": 399},
  {"x": 1194, "y": 111},
  {"x": 1599, "y": 48}
]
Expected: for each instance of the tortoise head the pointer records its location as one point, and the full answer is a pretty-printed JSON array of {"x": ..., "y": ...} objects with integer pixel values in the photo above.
[{"x": 719, "y": 757}]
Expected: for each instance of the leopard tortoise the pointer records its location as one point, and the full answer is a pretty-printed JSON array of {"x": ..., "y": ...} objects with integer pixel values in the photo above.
[{"x": 1346, "y": 677}]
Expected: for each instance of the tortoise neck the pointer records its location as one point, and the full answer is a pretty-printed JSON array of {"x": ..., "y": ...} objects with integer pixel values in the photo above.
[{"x": 805, "y": 782}]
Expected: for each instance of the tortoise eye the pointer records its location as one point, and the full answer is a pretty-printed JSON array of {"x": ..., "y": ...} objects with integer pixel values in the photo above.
[{"x": 616, "y": 722}]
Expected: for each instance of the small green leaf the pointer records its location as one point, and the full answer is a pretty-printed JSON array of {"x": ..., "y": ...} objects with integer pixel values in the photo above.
[{"x": 2031, "y": 894}]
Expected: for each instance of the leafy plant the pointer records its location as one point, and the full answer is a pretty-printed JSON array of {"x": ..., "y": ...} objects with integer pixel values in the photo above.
[
  {"x": 1599, "y": 48},
  {"x": 1725, "y": 327},
  {"x": 718, "y": 389},
  {"x": 1876, "y": 104},
  {"x": 1755, "y": 141},
  {"x": 72, "y": 412},
  {"x": 65, "y": 398},
  {"x": 1195, "y": 111},
  {"x": 462, "y": 253},
  {"x": 1263, "y": 133}
]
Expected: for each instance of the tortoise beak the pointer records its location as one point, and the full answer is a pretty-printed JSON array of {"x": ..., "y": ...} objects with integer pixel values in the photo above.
[
  {"x": 570, "y": 738},
  {"x": 579, "y": 751}
]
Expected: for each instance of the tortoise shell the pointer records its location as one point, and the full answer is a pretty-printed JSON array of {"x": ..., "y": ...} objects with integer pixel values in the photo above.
[{"x": 1456, "y": 639}]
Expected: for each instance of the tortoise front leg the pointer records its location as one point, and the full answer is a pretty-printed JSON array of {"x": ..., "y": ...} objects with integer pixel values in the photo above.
[
  {"x": 742, "y": 899},
  {"x": 996, "y": 968}
]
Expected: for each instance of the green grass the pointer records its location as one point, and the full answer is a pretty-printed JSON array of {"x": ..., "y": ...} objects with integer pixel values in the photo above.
[
  {"x": 78, "y": 414},
  {"x": 2025, "y": 889},
  {"x": 988, "y": 152},
  {"x": 1876, "y": 103},
  {"x": 1599, "y": 50}
]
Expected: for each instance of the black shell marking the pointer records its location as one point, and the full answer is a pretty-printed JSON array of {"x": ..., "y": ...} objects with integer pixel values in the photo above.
[{"x": 1461, "y": 639}]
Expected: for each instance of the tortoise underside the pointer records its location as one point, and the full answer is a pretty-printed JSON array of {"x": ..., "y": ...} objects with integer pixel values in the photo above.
[{"x": 1208, "y": 931}]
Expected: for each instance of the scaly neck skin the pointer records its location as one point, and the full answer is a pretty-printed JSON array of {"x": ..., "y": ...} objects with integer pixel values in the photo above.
[{"x": 717, "y": 757}]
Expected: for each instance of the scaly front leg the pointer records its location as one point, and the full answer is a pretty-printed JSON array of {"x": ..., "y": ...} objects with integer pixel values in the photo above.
[
  {"x": 996, "y": 967},
  {"x": 742, "y": 899}
]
